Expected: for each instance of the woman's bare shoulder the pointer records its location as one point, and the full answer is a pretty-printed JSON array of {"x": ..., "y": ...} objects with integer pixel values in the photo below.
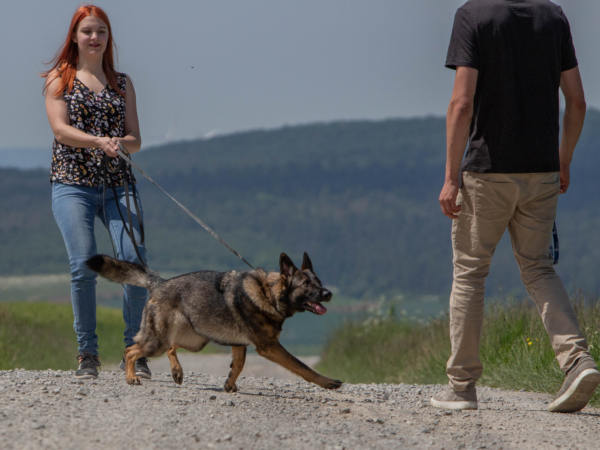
[{"x": 52, "y": 82}]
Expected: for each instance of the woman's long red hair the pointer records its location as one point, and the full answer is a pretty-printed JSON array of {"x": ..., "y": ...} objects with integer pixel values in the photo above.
[{"x": 64, "y": 64}]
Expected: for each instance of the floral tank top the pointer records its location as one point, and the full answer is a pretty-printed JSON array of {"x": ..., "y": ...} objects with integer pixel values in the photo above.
[{"x": 99, "y": 115}]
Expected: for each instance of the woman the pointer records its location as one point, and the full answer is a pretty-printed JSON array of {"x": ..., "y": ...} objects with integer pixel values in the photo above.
[{"x": 91, "y": 109}]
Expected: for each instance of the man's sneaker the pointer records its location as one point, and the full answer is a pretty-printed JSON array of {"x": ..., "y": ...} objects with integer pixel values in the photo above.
[
  {"x": 88, "y": 366},
  {"x": 451, "y": 399},
  {"x": 141, "y": 368},
  {"x": 579, "y": 386}
]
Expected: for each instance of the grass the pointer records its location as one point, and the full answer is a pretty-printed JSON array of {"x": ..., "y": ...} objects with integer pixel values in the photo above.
[
  {"x": 39, "y": 336},
  {"x": 515, "y": 349}
]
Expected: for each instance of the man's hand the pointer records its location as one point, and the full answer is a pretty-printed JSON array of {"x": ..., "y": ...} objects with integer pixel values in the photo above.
[
  {"x": 573, "y": 118},
  {"x": 448, "y": 199},
  {"x": 458, "y": 122},
  {"x": 565, "y": 177}
]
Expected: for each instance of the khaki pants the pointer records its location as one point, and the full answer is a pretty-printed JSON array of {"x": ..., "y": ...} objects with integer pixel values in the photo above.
[{"x": 526, "y": 204}]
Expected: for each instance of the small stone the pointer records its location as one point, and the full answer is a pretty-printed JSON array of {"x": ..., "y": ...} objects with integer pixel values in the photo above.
[
  {"x": 345, "y": 411},
  {"x": 379, "y": 420},
  {"x": 105, "y": 400},
  {"x": 212, "y": 397},
  {"x": 83, "y": 391},
  {"x": 426, "y": 431},
  {"x": 229, "y": 403},
  {"x": 77, "y": 397},
  {"x": 227, "y": 438},
  {"x": 39, "y": 426},
  {"x": 56, "y": 391},
  {"x": 370, "y": 420},
  {"x": 151, "y": 391}
]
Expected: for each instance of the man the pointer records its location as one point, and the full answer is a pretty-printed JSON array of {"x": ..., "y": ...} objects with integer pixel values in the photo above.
[{"x": 511, "y": 57}]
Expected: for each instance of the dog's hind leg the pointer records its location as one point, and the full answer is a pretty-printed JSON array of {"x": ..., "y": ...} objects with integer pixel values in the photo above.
[
  {"x": 132, "y": 354},
  {"x": 237, "y": 365},
  {"x": 276, "y": 353},
  {"x": 176, "y": 369}
]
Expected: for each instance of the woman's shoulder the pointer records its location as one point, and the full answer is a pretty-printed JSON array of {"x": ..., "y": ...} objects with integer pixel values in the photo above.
[
  {"x": 121, "y": 80},
  {"x": 52, "y": 82},
  {"x": 121, "y": 77}
]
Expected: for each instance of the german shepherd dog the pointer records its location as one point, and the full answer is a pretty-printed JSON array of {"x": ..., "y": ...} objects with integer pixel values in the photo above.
[{"x": 236, "y": 308}]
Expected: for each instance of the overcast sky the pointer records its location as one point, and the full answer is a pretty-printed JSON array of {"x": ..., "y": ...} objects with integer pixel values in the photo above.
[{"x": 256, "y": 63}]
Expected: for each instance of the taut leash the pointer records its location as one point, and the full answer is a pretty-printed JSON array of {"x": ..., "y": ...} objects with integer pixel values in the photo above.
[{"x": 121, "y": 152}]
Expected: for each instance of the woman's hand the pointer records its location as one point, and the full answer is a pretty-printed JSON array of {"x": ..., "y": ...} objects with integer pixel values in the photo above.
[{"x": 109, "y": 145}]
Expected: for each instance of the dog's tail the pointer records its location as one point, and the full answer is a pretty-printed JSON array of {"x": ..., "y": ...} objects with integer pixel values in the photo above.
[{"x": 124, "y": 272}]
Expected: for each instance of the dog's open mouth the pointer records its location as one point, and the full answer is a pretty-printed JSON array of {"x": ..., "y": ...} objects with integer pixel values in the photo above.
[{"x": 315, "y": 308}]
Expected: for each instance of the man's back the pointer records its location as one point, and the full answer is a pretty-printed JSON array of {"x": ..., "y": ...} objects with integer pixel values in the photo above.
[{"x": 520, "y": 48}]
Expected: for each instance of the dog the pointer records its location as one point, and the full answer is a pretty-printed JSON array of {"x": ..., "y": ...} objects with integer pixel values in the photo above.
[{"x": 235, "y": 308}]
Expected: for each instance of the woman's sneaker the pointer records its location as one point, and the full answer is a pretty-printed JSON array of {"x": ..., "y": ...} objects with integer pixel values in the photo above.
[
  {"x": 88, "y": 366},
  {"x": 577, "y": 390},
  {"x": 141, "y": 368},
  {"x": 456, "y": 400}
]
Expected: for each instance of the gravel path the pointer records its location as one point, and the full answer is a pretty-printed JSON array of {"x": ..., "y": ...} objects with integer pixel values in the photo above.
[{"x": 49, "y": 409}]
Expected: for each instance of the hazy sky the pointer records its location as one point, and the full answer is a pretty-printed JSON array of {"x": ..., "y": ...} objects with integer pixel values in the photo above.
[{"x": 256, "y": 63}]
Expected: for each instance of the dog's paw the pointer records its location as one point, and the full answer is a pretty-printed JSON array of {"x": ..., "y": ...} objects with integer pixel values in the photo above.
[
  {"x": 230, "y": 388},
  {"x": 134, "y": 381},
  {"x": 177, "y": 376},
  {"x": 333, "y": 384}
]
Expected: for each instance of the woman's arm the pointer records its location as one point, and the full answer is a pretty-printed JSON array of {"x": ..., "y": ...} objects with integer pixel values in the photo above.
[
  {"x": 132, "y": 140},
  {"x": 56, "y": 108}
]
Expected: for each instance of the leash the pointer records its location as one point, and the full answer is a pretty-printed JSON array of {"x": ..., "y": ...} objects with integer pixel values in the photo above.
[
  {"x": 554, "y": 253},
  {"x": 126, "y": 157},
  {"x": 106, "y": 171}
]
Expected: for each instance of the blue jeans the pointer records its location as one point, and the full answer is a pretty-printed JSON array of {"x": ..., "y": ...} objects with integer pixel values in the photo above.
[{"x": 75, "y": 208}]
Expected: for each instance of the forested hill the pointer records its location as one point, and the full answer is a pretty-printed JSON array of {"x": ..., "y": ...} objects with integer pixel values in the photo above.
[{"x": 360, "y": 197}]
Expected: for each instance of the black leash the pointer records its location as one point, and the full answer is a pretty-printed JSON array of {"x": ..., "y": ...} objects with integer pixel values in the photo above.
[
  {"x": 126, "y": 157},
  {"x": 554, "y": 250},
  {"x": 106, "y": 170}
]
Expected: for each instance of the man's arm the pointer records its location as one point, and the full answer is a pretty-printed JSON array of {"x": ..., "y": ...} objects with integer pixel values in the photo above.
[
  {"x": 458, "y": 124},
  {"x": 572, "y": 88}
]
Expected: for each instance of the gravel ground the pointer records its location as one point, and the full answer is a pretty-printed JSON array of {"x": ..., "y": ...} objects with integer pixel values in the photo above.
[{"x": 50, "y": 409}]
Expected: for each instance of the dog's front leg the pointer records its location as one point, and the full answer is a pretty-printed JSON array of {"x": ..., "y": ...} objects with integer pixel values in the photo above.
[
  {"x": 276, "y": 353},
  {"x": 237, "y": 365},
  {"x": 132, "y": 354},
  {"x": 176, "y": 369}
]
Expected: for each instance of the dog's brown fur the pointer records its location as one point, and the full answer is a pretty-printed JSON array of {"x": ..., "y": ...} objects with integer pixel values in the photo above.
[{"x": 232, "y": 308}]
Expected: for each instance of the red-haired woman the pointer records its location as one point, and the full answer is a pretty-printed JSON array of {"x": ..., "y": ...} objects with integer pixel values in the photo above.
[{"x": 91, "y": 108}]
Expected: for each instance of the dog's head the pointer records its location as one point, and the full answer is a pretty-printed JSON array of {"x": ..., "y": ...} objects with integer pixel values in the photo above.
[{"x": 303, "y": 287}]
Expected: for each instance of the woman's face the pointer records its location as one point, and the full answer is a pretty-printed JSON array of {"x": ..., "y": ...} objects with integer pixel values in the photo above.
[{"x": 91, "y": 37}]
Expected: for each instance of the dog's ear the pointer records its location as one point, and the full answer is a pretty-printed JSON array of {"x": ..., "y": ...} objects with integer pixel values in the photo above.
[
  {"x": 307, "y": 264},
  {"x": 286, "y": 266}
]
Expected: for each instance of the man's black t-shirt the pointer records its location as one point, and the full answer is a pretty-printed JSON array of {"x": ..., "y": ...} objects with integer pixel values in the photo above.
[{"x": 520, "y": 48}]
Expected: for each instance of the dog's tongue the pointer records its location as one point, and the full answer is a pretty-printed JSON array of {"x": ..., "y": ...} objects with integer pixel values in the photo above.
[{"x": 320, "y": 309}]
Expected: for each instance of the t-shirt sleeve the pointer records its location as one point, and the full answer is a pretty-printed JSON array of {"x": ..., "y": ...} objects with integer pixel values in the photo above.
[
  {"x": 463, "y": 49},
  {"x": 568, "y": 57}
]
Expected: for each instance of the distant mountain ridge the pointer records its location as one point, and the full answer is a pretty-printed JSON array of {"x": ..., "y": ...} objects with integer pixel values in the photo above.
[{"x": 360, "y": 197}]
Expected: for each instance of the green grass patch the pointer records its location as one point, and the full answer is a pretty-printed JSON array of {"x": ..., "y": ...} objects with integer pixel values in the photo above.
[
  {"x": 39, "y": 336},
  {"x": 515, "y": 349}
]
